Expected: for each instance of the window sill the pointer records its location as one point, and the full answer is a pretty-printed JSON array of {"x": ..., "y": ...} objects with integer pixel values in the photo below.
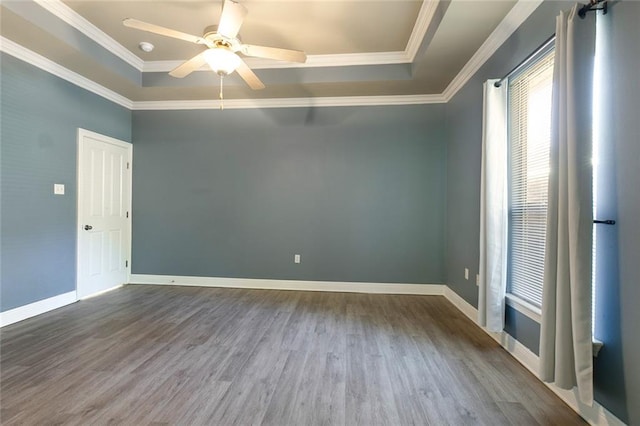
[
  {"x": 596, "y": 345},
  {"x": 525, "y": 308}
]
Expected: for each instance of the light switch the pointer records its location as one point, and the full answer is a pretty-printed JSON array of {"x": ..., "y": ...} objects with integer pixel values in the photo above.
[
  {"x": 296, "y": 258},
  {"x": 466, "y": 273},
  {"x": 58, "y": 188}
]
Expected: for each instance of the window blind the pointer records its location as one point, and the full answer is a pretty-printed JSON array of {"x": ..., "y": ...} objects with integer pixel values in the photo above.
[{"x": 529, "y": 134}]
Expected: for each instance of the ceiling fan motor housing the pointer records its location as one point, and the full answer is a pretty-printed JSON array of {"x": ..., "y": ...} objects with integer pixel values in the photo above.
[{"x": 213, "y": 39}]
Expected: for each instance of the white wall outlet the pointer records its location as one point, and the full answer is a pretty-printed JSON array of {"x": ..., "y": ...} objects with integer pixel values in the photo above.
[
  {"x": 466, "y": 273},
  {"x": 478, "y": 279},
  {"x": 58, "y": 188},
  {"x": 296, "y": 258}
]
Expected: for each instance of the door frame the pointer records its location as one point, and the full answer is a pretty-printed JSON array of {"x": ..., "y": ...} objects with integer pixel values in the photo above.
[{"x": 82, "y": 133}]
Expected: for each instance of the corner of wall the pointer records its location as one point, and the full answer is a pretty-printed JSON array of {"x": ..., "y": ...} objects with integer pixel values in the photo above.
[{"x": 594, "y": 415}]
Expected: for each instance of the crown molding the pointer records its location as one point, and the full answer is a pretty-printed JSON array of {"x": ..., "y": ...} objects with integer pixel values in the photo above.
[
  {"x": 39, "y": 61},
  {"x": 291, "y": 102},
  {"x": 313, "y": 61},
  {"x": 71, "y": 17},
  {"x": 427, "y": 11},
  {"x": 339, "y": 60},
  {"x": 425, "y": 16},
  {"x": 516, "y": 16},
  {"x": 14, "y": 49}
]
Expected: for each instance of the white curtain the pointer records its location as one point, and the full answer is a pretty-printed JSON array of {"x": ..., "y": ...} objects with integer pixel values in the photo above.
[
  {"x": 565, "y": 340},
  {"x": 493, "y": 208}
]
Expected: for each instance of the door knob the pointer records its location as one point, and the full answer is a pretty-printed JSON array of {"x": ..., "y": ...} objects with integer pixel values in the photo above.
[{"x": 88, "y": 227}]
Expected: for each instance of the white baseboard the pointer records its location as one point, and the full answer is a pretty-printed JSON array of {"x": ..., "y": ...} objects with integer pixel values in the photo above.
[
  {"x": 100, "y": 293},
  {"x": 265, "y": 284},
  {"x": 595, "y": 415},
  {"x": 36, "y": 308},
  {"x": 462, "y": 305}
]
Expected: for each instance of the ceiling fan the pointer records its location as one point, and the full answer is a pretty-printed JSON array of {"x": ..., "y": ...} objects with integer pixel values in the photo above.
[{"x": 222, "y": 46}]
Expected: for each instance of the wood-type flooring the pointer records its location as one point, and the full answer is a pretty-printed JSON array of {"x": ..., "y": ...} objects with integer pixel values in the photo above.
[{"x": 204, "y": 356}]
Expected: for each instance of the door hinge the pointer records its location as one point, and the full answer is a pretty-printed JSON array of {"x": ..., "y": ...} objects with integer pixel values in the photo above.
[
  {"x": 127, "y": 214},
  {"x": 126, "y": 263},
  {"x": 128, "y": 165}
]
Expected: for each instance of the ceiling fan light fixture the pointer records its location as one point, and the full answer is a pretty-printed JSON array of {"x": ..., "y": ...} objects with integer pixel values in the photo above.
[{"x": 222, "y": 60}]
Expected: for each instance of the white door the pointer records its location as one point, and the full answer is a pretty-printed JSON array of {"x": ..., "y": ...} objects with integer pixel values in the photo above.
[{"x": 104, "y": 218}]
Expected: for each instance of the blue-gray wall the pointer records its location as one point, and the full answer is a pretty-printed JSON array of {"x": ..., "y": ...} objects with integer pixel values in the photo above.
[
  {"x": 617, "y": 373},
  {"x": 464, "y": 123},
  {"x": 39, "y": 118},
  {"x": 359, "y": 192},
  {"x": 618, "y": 278}
]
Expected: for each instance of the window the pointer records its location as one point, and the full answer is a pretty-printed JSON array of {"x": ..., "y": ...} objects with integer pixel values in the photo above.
[{"x": 529, "y": 140}]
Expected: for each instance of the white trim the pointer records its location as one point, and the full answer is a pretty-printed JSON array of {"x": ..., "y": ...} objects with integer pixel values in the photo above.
[
  {"x": 36, "y": 308},
  {"x": 103, "y": 138},
  {"x": 101, "y": 292},
  {"x": 525, "y": 308},
  {"x": 462, "y": 305},
  {"x": 596, "y": 345},
  {"x": 51, "y": 67},
  {"x": 71, "y": 17},
  {"x": 338, "y": 60},
  {"x": 516, "y": 16},
  {"x": 509, "y": 24},
  {"x": 165, "y": 66},
  {"x": 290, "y": 102},
  {"x": 425, "y": 16},
  {"x": 313, "y": 61},
  {"x": 595, "y": 415},
  {"x": 267, "y": 284},
  {"x": 30, "y": 57},
  {"x": 520, "y": 352},
  {"x": 45, "y": 64}
]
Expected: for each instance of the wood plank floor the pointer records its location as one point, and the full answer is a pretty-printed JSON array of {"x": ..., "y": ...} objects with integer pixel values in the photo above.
[{"x": 205, "y": 356}]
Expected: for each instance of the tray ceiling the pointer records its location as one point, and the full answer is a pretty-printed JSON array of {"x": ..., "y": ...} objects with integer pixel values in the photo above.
[{"x": 354, "y": 48}]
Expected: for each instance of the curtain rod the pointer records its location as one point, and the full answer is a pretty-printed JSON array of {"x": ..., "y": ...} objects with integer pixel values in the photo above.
[
  {"x": 527, "y": 60},
  {"x": 592, "y": 6},
  {"x": 589, "y": 7}
]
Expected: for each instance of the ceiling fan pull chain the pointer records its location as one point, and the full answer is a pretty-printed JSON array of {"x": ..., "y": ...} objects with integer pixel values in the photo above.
[{"x": 221, "y": 97}]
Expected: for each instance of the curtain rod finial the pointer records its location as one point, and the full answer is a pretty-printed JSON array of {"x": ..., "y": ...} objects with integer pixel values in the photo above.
[{"x": 591, "y": 6}]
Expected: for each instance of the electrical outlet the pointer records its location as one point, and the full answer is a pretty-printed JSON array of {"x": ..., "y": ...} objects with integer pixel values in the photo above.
[
  {"x": 58, "y": 188},
  {"x": 478, "y": 280},
  {"x": 466, "y": 273},
  {"x": 296, "y": 258}
]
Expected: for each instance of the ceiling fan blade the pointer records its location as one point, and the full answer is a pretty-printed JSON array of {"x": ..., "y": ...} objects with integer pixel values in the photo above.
[
  {"x": 188, "y": 67},
  {"x": 249, "y": 76},
  {"x": 156, "y": 29},
  {"x": 274, "y": 53},
  {"x": 231, "y": 18}
]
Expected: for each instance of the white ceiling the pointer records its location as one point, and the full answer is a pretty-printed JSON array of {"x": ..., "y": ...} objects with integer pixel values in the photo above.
[{"x": 358, "y": 48}]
